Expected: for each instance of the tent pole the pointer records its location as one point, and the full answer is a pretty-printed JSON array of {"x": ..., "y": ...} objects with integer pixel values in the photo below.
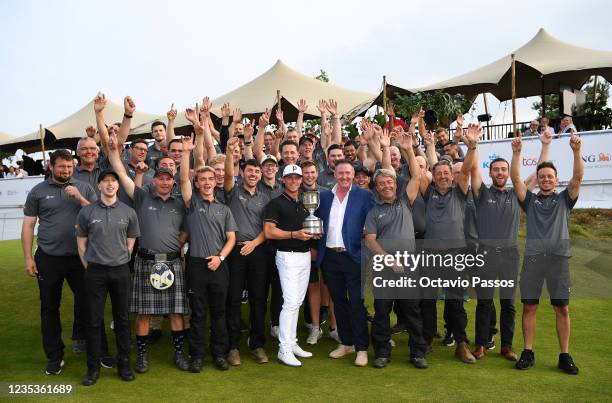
[
  {"x": 484, "y": 96},
  {"x": 513, "y": 95},
  {"x": 385, "y": 99},
  {"x": 594, "y": 91},
  {"x": 543, "y": 98},
  {"x": 41, "y": 133},
  {"x": 278, "y": 103}
]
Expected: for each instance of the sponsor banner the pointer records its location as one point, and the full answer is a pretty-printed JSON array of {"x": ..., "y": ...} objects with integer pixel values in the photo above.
[{"x": 13, "y": 191}]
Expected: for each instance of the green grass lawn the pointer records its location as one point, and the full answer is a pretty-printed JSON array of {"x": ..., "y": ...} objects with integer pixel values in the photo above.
[{"x": 323, "y": 379}]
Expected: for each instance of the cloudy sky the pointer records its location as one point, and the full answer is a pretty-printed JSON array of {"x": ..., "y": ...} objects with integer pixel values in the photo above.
[{"x": 55, "y": 56}]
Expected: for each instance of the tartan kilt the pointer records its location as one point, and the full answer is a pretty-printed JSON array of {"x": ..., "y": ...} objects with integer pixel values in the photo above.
[{"x": 146, "y": 300}]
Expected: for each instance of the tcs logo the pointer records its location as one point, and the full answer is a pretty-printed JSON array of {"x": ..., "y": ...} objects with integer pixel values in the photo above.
[{"x": 530, "y": 162}]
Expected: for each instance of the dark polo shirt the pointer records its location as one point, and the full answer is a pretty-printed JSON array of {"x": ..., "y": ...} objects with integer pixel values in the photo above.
[
  {"x": 91, "y": 177},
  {"x": 288, "y": 215},
  {"x": 107, "y": 228},
  {"x": 445, "y": 218},
  {"x": 392, "y": 223},
  {"x": 207, "y": 224},
  {"x": 326, "y": 178},
  {"x": 247, "y": 210},
  {"x": 497, "y": 216},
  {"x": 56, "y": 214}
]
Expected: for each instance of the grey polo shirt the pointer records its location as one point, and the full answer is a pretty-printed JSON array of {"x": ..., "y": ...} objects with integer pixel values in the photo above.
[
  {"x": 176, "y": 189},
  {"x": 548, "y": 223},
  {"x": 444, "y": 218},
  {"x": 247, "y": 210},
  {"x": 56, "y": 214},
  {"x": 497, "y": 216},
  {"x": 470, "y": 226},
  {"x": 91, "y": 177},
  {"x": 392, "y": 223},
  {"x": 152, "y": 155},
  {"x": 326, "y": 178},
  {"x": 418, "y": 207},
  {"x": 272, "y": 191},
  {"x": 161, "y": 220},
  {"x": 207, "y": 223},
  {"x": 107, "y": 229}
]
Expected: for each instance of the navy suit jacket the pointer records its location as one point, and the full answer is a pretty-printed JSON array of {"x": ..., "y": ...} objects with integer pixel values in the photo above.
[{"x": 359, "y": 203}]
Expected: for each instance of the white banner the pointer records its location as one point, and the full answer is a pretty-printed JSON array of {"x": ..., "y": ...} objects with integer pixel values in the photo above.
[
  {"x": 596, "y": 153},
  {"x": 13, "y": 191}
]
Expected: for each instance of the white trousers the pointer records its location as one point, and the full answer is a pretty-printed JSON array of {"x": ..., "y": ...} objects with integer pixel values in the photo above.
[{"x": 294, "y": 272}]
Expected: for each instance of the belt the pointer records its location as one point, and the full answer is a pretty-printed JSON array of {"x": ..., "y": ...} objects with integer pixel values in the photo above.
[
  {"x": 158, "y": 257},
  {"x": 292, "y": 250},
  {"x": 337, "y": 250}
]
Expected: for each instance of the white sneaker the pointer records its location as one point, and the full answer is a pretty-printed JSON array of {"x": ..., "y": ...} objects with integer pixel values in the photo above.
[
  {"x": 288, "y": 358},
  {"x": 274, "y": 331},
  {"x": 315, "y": 335},
  {"x": 309, "y": 326},
  {"x": 298, "y": 352},
  {"x": 333, "y": 334}
]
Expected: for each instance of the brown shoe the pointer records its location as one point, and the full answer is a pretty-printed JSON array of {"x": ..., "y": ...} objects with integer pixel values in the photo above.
[
  {"x": 362, "y": 359},
  {"x": 259, "y": 355},
  {"x": 233, "y": 357},
  {"x": 479, "y": 352},
  {"x": 507, "y": 352},
  {"x": 429, "y": 349},
  {"x": 463, "y": 353},
  {"x": 341, "y": 351}
]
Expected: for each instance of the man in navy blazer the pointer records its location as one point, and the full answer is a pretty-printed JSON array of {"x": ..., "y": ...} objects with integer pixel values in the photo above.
[{"x": 343, "y": 211}]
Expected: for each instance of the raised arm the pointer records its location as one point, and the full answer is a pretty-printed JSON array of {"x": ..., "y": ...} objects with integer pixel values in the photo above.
[
  {"x": 430, "y": 149},
  {"x": 515, "y": 170},
  {"x": 236, "y": 118},
  {"x": 171, "y": 115},
  {"x": 332, "y": 107},
  {"x": 258, "y": 143},
  {"x": 545, "y": 138},
  {"x": 225, "y": 121},
  {"x": 206, "y": 123},
  {"x": 115, "y": 160},
  {"x": 374, "y": 143},
  {"x": 302, "y": 108},
  {"x": 413, "y": 187},
  {"x": 573, "y": 187},
  {"x": 186, "y": 191},
  {"x": 228, "y": 180},
  {"x": 471, "y": 139},
  {"x": 99, "y": 104},
  {"x": 322, "y": 108},
  {"x": 248, "y": 141},
  {"x": 129, "y": 107},
  {"x": 385, "y": 144}
]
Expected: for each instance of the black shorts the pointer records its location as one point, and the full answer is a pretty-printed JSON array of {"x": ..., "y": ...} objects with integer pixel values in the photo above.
[
  {"x": 552, "y": 268},
  {"x": 314, "y": 273}
]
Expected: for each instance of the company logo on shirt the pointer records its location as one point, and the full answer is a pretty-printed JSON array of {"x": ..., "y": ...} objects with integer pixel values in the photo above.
[
  {"x": 47, "y": 197},
  {"x": 381, "y": 215},
  {"x": 95, "y": 221},
  {"x": 153, "y": 208}
]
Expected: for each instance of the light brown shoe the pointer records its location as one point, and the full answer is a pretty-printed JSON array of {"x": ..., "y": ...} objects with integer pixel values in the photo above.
[
  {"x": 463, "y": 353},
  {"x": 362, "y": 359},
  {"x": 341, "y": 351},
  {"x": 259, "y": 355},
  {"x": 480, "y": 352},
  {"x": 233, "y": 357},
  {"x": 507, "y": 352}
]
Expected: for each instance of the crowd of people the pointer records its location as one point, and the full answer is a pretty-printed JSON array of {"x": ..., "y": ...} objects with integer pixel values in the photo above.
[{"x": 189, "y": 227}]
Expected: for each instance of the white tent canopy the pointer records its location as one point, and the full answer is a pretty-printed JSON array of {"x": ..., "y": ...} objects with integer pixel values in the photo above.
[
  {"x": 255, "y": 96},
  {"x": 74, "y": 125},
  {"x": 542, "y": 65},
  {"x": 5, "y": 137}
]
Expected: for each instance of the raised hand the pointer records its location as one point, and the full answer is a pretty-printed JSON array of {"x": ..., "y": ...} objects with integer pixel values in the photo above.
[
  {"x": 237, "y": 117},
  {"x": 376, "y": 131},
  {"x": 428, "y": 139},
  {"x": 112, "y": 141},
  {"x": 231, "y": 145},
  {"x": 72, "y": 192},
  {"x": 171, "y": 114},
  {"x": 327, "y": 130},
  {"x": 414, "y": 120},
  {"x": 90, "y": 131},
  {"x": 279, "y": 116},
  {"x": 264, "y": 120},
  {"x": 99, "y": 102},
  {"x": 517, "y": 145},
  {"x": 302, "y": 107},
  {"x": 332, "y": 107},
  {"x": 248, "y": 131},
  {"x": 473, "y": 134},
  {"x": 385, "y": 138},
  {"x": 460, "y": 120},
  {"x": 366, "y": 130},
  {"x": 390, "y": 109},
  {"x": 141, "y": 168},
  {"x": 192, "y": 116},
  {"x": 225, "y": 110},
  {"x": 546, "y": 136},
  {"x": 128, "y": 105},
  {"x": 421, "y": 114},
  {"x": 322, "y": 106},
  {"x": 575, "y": 141},
  {"x": 188, "y": 144},
  {"x": 206, "y": 106},
  {"x": 280, "y": 132}
]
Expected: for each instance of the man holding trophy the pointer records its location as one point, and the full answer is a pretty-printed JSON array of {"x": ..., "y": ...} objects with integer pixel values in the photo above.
[{"x": 284, "y": 222}]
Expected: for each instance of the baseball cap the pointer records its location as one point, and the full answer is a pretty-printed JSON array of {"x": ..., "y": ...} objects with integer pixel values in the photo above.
[
  {"x": 303, "y": 139},
  {"x": 107, "y": 172},
  {"x": 359, "y": 167},
  {"x": 292, "y": 170},
  {"x": 163, "y": 170},
  {"x": 268, "y": 157},
  {"x": 397, "y": 122}
]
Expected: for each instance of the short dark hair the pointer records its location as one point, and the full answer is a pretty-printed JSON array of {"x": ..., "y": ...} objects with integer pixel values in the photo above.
[
  {"x": 333, "y": 147},
  {"x": 442, "y": 162},
  {"x": 288, "y": 143},
  {"x": 546, "y": 164},
  {"x": 139, "y": 141},
  {"x": 174, "y": 140},
  {"x": 62, "y": 154},
  {"x": 251, "y": 162},
  {"x": 157, "y": 123},
  {"x": 351, "y": 143},
  {"x": 165, "y": 156},
  {"x": 498, "y": 159},
  {"x": 309, "y": 163},
  {"x": 343, "y": 161}
]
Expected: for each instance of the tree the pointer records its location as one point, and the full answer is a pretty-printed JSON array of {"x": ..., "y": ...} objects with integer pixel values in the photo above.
[
  {"x": 596, "y": 114},
  {"x": 445, "y": 105},
  {"x": 322, "y": 76},
  {"x": 552, "y": 107}
]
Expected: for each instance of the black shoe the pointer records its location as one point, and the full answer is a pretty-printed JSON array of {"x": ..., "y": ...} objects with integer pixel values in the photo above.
[
  {"x": 221, "y": 363},
  {"x": 92, "y": 377},
  {"x": 449, "y": 340},
  {"x": 107, "y": 361},
  {"x": 566, "y": 364},
  {"x": 490, "y": 345},
  {"x": 381, "y": 362},
  {"x": 195, "y": 365},
  {"x": 123, "y": 369},
  {"x": 398, "y": 328},
  {"x": 142, "y": 363},
  {"x": 154, "y": 336},
  {"x": 79, "y": 346},
  {"x": 54, "y": 367},
  {"x": 180, "y": 361},
  {"x": 419, "y": 362},
  {"x": 526, "y": 361}
]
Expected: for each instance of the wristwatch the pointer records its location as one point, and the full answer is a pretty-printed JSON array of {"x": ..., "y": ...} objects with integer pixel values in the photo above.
[{"x": 221, "y": 257}]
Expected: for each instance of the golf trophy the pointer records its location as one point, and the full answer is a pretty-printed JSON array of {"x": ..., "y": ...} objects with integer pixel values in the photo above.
[{"x": 312, "y": 224}]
